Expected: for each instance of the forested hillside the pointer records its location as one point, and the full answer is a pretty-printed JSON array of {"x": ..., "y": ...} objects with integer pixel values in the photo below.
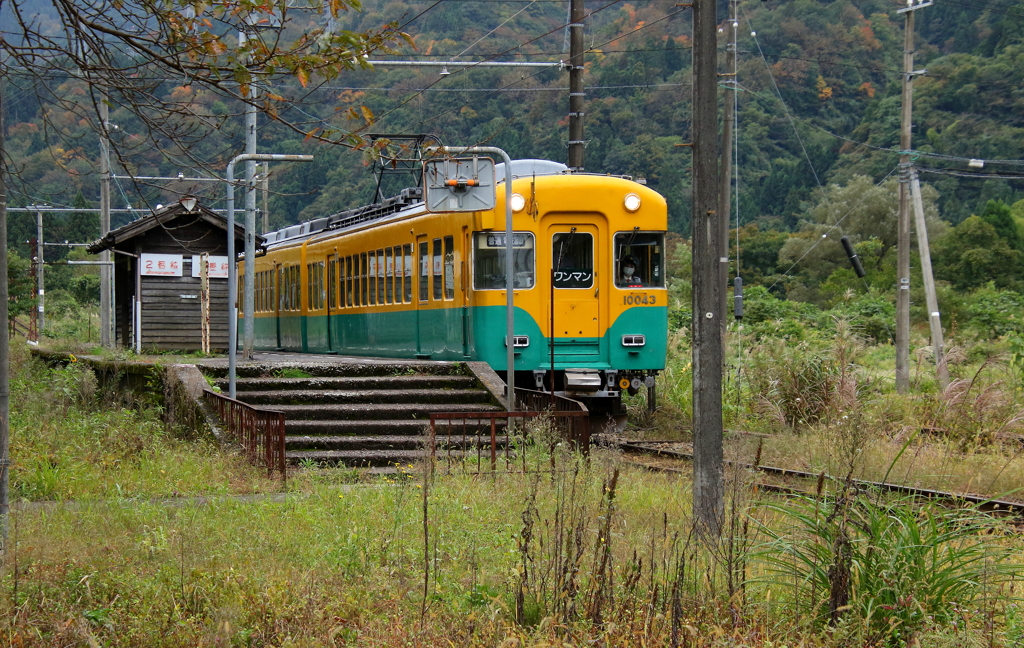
[{"x": 819, "y": 104}]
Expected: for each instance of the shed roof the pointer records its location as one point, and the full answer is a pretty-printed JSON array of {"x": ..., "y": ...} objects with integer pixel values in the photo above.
[{"x": 116, "y": 238}]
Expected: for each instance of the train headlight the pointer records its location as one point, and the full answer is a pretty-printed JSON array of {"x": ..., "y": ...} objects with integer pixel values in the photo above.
[
  {"x": 518, "y": 202},
  {"x": 631, "y": 203}
]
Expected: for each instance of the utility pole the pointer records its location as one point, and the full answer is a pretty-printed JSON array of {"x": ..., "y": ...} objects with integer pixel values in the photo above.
[
  {"x": 903, "y": 219},
  {"x": 248, "y": 301},
  {"x": 708, "y": 491},
  {"x": 265, "y": 187},
  {"x": 106, "y": 285},
  {"x": 5, "y": 390},
  {"x": 576, "y": 93},
  {"x": 931, "y": 299},
  {"x": 40, "y": 306},
  {"x": 728, "y": 120}
]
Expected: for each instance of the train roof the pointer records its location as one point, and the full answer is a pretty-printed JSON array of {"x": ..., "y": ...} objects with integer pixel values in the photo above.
[{"x": 407, "y": 199}]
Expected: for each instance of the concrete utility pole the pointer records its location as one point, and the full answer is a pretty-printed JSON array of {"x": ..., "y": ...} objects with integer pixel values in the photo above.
[
  {"x": 5, "y": 390},
  {"x": 233, "y": 260},
  {"x": 931, "y": 299},
  {"x": 106, "y": 284},
  {"x": 708, "y": 492},
  {"x": 248, "y": 304},
  {"x": 576, "y": 93},
  {"x": 265, "y": 189},
  {"x": 40, "y": 285},
  {"x": 903, "y": 220},
  {"x": 728, "y": 120}
]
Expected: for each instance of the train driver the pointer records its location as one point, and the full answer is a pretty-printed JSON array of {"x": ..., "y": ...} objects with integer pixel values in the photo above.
[{"x": 628, "y": 275}]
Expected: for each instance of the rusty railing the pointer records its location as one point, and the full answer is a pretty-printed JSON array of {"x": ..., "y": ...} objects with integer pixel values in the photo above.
[
  {"x": 466, "y": 433},
  {"x": 259, "y": 431}
]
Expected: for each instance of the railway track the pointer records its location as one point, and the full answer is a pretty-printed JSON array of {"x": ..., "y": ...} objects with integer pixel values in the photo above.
[{"x": 675, "y": 451}]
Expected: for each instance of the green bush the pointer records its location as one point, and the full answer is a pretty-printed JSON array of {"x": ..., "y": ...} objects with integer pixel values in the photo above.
[{"x": 994, "y": 313}]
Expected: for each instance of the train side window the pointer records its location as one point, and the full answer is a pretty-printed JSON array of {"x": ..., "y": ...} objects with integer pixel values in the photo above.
[
  {"x": 389, "y": 281},
  {"x": 489, "y": 260},
  {"x": 644, "y": 251},
  {"x": 399, "y": 275},
  {"x": 332, "y": 284},
  {"x": 321, "y": 292},
  {"x": 364, "y": 265},
  {"x": 449, "y": 267},
  {"x": 360, "y": 280},
  {"x": 407, "y": 251},
  {"x": 424, "y": 271},
  {"x": 372, "y": 273},
  {"x": 380, "y": 276},
  {"x": 347, "y": 301},
  {"x": 438, "y": 269}
]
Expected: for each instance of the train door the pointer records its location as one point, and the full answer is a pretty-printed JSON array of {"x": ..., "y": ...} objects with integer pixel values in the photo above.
[
  {"x": 573, "y": 312},
  {"x": 423, "y": 265},
  {"x": 278, "y": 279},
  {"x": 332, "y": 298},
  {"x": 463, "y": 265}
]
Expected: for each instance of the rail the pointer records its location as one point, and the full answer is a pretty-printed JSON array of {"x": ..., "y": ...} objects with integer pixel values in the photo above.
[
  {"x": 475, "y": 435},
  {"x": 259, "y": 431}
]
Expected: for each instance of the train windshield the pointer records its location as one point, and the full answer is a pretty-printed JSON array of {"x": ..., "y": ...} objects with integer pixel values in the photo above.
[
  {"x": 639, "y": 259},
  {"x": 572, "y": 257},
  {"x": 489, "y": 260}
]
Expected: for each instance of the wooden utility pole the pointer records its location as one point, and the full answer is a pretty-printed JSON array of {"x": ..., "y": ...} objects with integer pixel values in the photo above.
[
  {"x": 728, "y": 119},
  {"x": 576, "y": 93},
  {"x": 708, "y": 492},
  {"x": 931, "y": 299}
]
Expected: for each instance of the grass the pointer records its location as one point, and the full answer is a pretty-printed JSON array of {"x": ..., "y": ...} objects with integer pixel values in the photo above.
[{"x": 590, "y": 553}]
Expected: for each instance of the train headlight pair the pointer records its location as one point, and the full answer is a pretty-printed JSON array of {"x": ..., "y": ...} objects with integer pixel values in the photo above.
[{"x": 631, "y": 202}]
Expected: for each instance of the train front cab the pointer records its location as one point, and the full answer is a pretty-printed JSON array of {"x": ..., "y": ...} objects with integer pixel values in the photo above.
[{"x": 609, "y": 332}]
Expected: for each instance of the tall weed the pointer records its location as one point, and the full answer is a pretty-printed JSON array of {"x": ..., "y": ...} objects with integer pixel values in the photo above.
[{"x": 883, "y": 571}]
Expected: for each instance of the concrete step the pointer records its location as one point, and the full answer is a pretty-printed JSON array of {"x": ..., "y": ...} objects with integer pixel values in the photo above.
[
  {"x": 413, "y": 427},
  {"x": 377, "y": 411},
  {"x": 357, "y": 457},
  {"x": 351, "y": 382},
  {"x": 272, "y": 399},
  {"x": 389, "y": 442},
  {"x": 335, "y": 368}
]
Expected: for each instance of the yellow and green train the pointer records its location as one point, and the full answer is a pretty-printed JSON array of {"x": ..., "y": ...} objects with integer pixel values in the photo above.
[{"x": 393, "y": 280}]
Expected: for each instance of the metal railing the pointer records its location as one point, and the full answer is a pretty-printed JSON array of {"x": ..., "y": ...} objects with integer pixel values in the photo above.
[
  {"x": 475, "y": 435},
  {"x": 259, "y": 431}
]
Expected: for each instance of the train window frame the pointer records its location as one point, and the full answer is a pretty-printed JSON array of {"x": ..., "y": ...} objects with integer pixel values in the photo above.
[
  {"x": 389, "y": 272},
  {"x": 438, "y": 270},
  {"x": 492, "y": 265},
  {"x": 424, "y": 252},
  {"x": 365, "y": 267},
  {"x": 648, "y": 247},
  {"x": 380, "y": 277},
  {"x": 449, "y": 268},
  {"x": 399, "y": 278},
  {"x": 576, "y": 277},
  {"x": 407, "y": 253},
  {"x": 348, "y": 281}
]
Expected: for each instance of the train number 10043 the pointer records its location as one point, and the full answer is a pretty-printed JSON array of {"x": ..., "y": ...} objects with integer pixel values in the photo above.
[{"x": 632, "y": 300}]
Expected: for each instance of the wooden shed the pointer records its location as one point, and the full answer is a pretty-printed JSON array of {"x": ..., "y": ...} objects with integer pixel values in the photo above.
[{"x": 158, "y": 296}]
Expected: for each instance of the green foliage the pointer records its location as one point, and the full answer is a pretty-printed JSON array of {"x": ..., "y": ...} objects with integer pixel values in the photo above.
[
  {"x": 994, "y": 313},
  {"x": 975, "y": 254},
  {"x": 997, "y": 214},
  {"x": 20, "y": 288},
  {"x": 766, "y": 315},
  {"x": 884, "y": 571}
]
